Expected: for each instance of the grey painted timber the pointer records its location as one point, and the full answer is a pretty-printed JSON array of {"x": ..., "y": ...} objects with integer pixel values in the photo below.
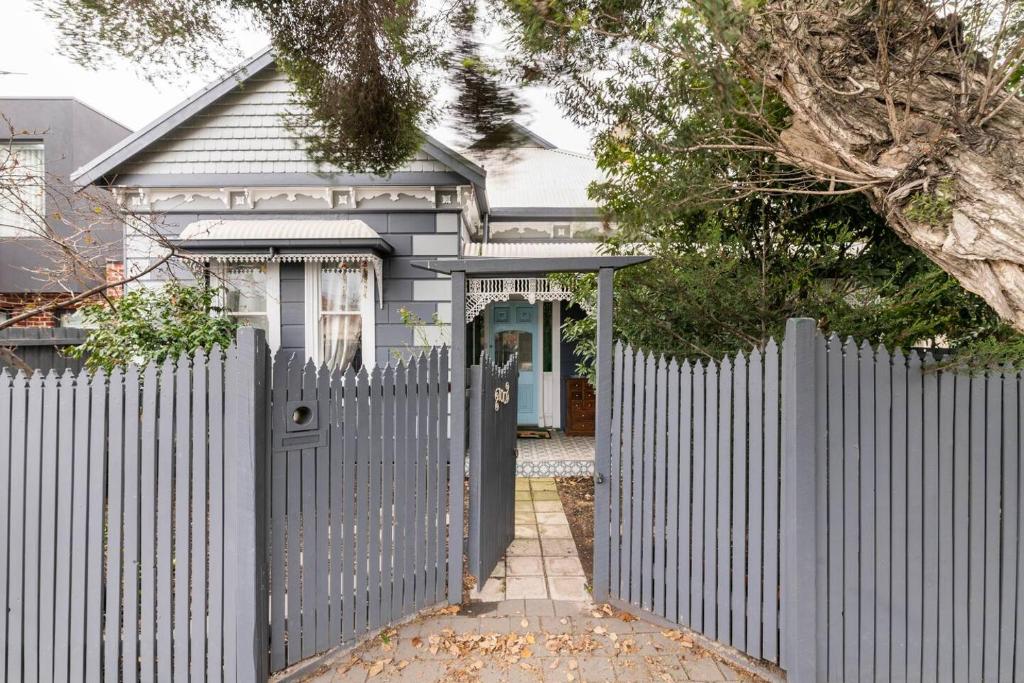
[{"x": 849, "y": 514}]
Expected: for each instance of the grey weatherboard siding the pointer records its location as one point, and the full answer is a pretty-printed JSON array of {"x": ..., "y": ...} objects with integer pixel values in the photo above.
[{"x": 413, "y": 234}]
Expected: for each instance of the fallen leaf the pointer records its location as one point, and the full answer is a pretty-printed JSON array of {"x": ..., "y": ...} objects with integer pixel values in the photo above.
[{"x": 376, "y": 668}]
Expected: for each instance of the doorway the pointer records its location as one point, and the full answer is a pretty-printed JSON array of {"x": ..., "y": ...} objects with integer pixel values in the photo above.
[{"x": 514, "y": 330}]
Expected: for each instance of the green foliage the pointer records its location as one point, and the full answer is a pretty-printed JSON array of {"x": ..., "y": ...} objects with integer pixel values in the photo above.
[
  {"x": 422, "y": 338},
  {"x": 933, "y": 208},
  {"x": 154, "y": 324}
]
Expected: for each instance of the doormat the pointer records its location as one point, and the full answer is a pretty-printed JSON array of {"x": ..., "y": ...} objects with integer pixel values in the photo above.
[{"x": 533, "y": 433}]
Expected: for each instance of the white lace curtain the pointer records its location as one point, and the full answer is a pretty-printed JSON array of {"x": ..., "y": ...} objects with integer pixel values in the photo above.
[{"x": 341, "y": 324}]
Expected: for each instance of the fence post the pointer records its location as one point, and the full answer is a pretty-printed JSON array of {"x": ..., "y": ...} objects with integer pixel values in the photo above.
[
  {"x": 602, "y": 460},
  {"x": 457, "y": 442},
  {"x": 245, "y": 518},
  {"x": 800, "y": 461}
]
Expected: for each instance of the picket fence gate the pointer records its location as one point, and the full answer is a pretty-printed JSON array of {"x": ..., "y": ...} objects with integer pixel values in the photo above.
[
  {"x": 846, "y": 513},
  {"x": 358, "y": 500},
  {"x": 493, "y": 404}
]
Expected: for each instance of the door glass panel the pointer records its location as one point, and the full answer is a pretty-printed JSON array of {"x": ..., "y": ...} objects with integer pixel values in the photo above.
[{"x": 510, "y": 341}]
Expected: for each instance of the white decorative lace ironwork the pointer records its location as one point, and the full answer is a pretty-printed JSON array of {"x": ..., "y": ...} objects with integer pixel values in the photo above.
[
  {"x": 375, "y": 263},
  {"x": 482, "y": 291}
]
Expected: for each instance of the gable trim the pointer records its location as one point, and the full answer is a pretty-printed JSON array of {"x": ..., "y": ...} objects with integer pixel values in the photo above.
[{"x": 134, "y": 144}]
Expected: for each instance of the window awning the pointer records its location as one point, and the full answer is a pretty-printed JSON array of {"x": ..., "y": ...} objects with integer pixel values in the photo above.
[{"x": 284, "y": 240}]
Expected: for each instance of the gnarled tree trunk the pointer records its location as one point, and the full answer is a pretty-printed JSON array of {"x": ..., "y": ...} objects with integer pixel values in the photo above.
[{"x": 886, "y": 98}]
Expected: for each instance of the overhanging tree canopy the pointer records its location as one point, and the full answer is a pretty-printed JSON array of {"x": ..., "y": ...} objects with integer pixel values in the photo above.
[{"x": 914, "y": 103}]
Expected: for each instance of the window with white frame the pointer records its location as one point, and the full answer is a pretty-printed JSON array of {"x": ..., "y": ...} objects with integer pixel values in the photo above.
[
  {"x": 340, "y": 314},
  {"x": 249, "y": 294},
  {"x": 22, "y": 188}
]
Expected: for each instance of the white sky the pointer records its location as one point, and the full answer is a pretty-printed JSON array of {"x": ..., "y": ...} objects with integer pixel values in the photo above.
[{"x": 29, "y": 49}]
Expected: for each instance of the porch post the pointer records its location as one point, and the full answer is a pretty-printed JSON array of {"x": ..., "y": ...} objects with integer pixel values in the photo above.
[
  {"x": 602, "y": 454},
  {"x": 457, "y": 460}
]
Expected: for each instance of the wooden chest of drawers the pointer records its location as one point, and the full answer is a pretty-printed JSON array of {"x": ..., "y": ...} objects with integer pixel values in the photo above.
[{"x": 581, "y": 408}]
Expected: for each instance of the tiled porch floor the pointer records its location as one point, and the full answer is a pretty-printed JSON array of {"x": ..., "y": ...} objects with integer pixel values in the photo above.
[
  {"x": 542, "y": 562},
  {"x": 559, "y": 456}
]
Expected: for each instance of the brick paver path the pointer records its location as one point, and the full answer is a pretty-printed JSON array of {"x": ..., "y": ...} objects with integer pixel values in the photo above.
[
  {"x": 526, "y": 640},
  {"x": 542, "y": 562},
  {"x": 532, "y": 620}
]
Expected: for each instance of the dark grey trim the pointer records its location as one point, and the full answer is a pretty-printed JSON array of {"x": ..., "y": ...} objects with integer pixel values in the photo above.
[
  {"x": 554, "y": 213},
  {"x": 133, "y": 144},
  {"x": 292, "y": 246},
  {"x": 530, "y": 266},
  {"x": 229, "y": 180}
]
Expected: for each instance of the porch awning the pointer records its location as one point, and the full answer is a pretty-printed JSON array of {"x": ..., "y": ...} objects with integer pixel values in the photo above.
[
  {"x": 283, "y": 240},
  {"x": 533, "y": 249}
]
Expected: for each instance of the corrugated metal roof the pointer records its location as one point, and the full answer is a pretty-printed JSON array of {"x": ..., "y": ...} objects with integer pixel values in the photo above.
[
  {"x": 534, "y": 249},
  {"x": 290, "y": 229},
  {"x": 533, "y": 177}
]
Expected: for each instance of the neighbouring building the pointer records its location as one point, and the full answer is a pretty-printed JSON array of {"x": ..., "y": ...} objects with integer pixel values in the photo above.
[
  {"x": 322, "y": 259},
  {"x": 42, "y": 140}
]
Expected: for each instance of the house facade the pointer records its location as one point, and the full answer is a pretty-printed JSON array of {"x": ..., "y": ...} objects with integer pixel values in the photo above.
[
  {"x": 42, "y": 140},
  {"x": 323, "y": 259}
]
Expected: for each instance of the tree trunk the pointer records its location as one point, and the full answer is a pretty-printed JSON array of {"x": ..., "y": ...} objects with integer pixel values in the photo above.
[{"x": 892, "y": 103}]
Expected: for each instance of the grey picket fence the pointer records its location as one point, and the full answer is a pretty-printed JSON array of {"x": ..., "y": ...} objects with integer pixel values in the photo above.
[
  {"x": 43, "y": 348},
  {"x": 358, "y": 500},
  {"x": 118, "y": 494},
  {"x": 918, "y": 562},
  {"x": 847, "y": 513},
  {"x": 694, "y": 503}
]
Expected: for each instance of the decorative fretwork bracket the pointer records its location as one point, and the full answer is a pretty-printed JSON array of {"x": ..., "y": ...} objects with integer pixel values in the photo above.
[{"x": 482, "y": 291}]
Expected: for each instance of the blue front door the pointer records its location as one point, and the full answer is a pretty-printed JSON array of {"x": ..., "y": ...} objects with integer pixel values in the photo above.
[{"x": 514, "y": 330}]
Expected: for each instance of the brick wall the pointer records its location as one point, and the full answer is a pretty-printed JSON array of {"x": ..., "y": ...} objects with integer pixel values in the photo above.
[{"x": 14, "y": 303}]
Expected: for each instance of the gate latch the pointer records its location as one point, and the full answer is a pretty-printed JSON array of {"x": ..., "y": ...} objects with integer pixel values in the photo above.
[{"x": 598, "y": 478}]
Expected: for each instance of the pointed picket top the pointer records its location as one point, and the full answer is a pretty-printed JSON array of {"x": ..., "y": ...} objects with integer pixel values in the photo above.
[
  {"x": 698, "y": 366},
  {"x": 323, "y": 375},
  {"x": 389, "y": 373},
  {"x": 662, "y": 363},
  {"x": 5, "y": 377},
  {"x": 375, "y": 375},
  {"x": 771, "y": 347},
  {"x": 850, "y": 347},
  {"x": 618, "y": 346},
  {"x": 740, "y": 361},
  {"x": 350, "y": 376},
  {"x": 36, "y": 380},
  {"x": 914, "y": 359},
  {"x": 686, "y": 367},
  {"x": 83, "y": 376},
  {"x": 726, "y": 365},
  {"x": 882, "y": 355},
  {"x": 184, "y": 361},
  {"x": 673, "y": 365},
  {"x": 712, "y": 367},
  {"x": 898, "y": 358},
  {"x": 151, "y": 371},
  {"x": 755, "y": 356},
  {"x": 199, "y": 358},
  {"x": 51, "y": 374},
  {"x": 116, "y": 375},
  {"x": 867, "y": 351},
  {"x": 131, "y": 373},
  {"x": 929, "y": 360}
]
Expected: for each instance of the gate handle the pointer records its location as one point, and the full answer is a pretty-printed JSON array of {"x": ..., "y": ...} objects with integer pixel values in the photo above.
[{"x": 599, "y": 478}]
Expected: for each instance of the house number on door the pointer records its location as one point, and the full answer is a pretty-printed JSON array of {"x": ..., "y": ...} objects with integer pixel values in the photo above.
[{"x": 500, "y": 397}]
